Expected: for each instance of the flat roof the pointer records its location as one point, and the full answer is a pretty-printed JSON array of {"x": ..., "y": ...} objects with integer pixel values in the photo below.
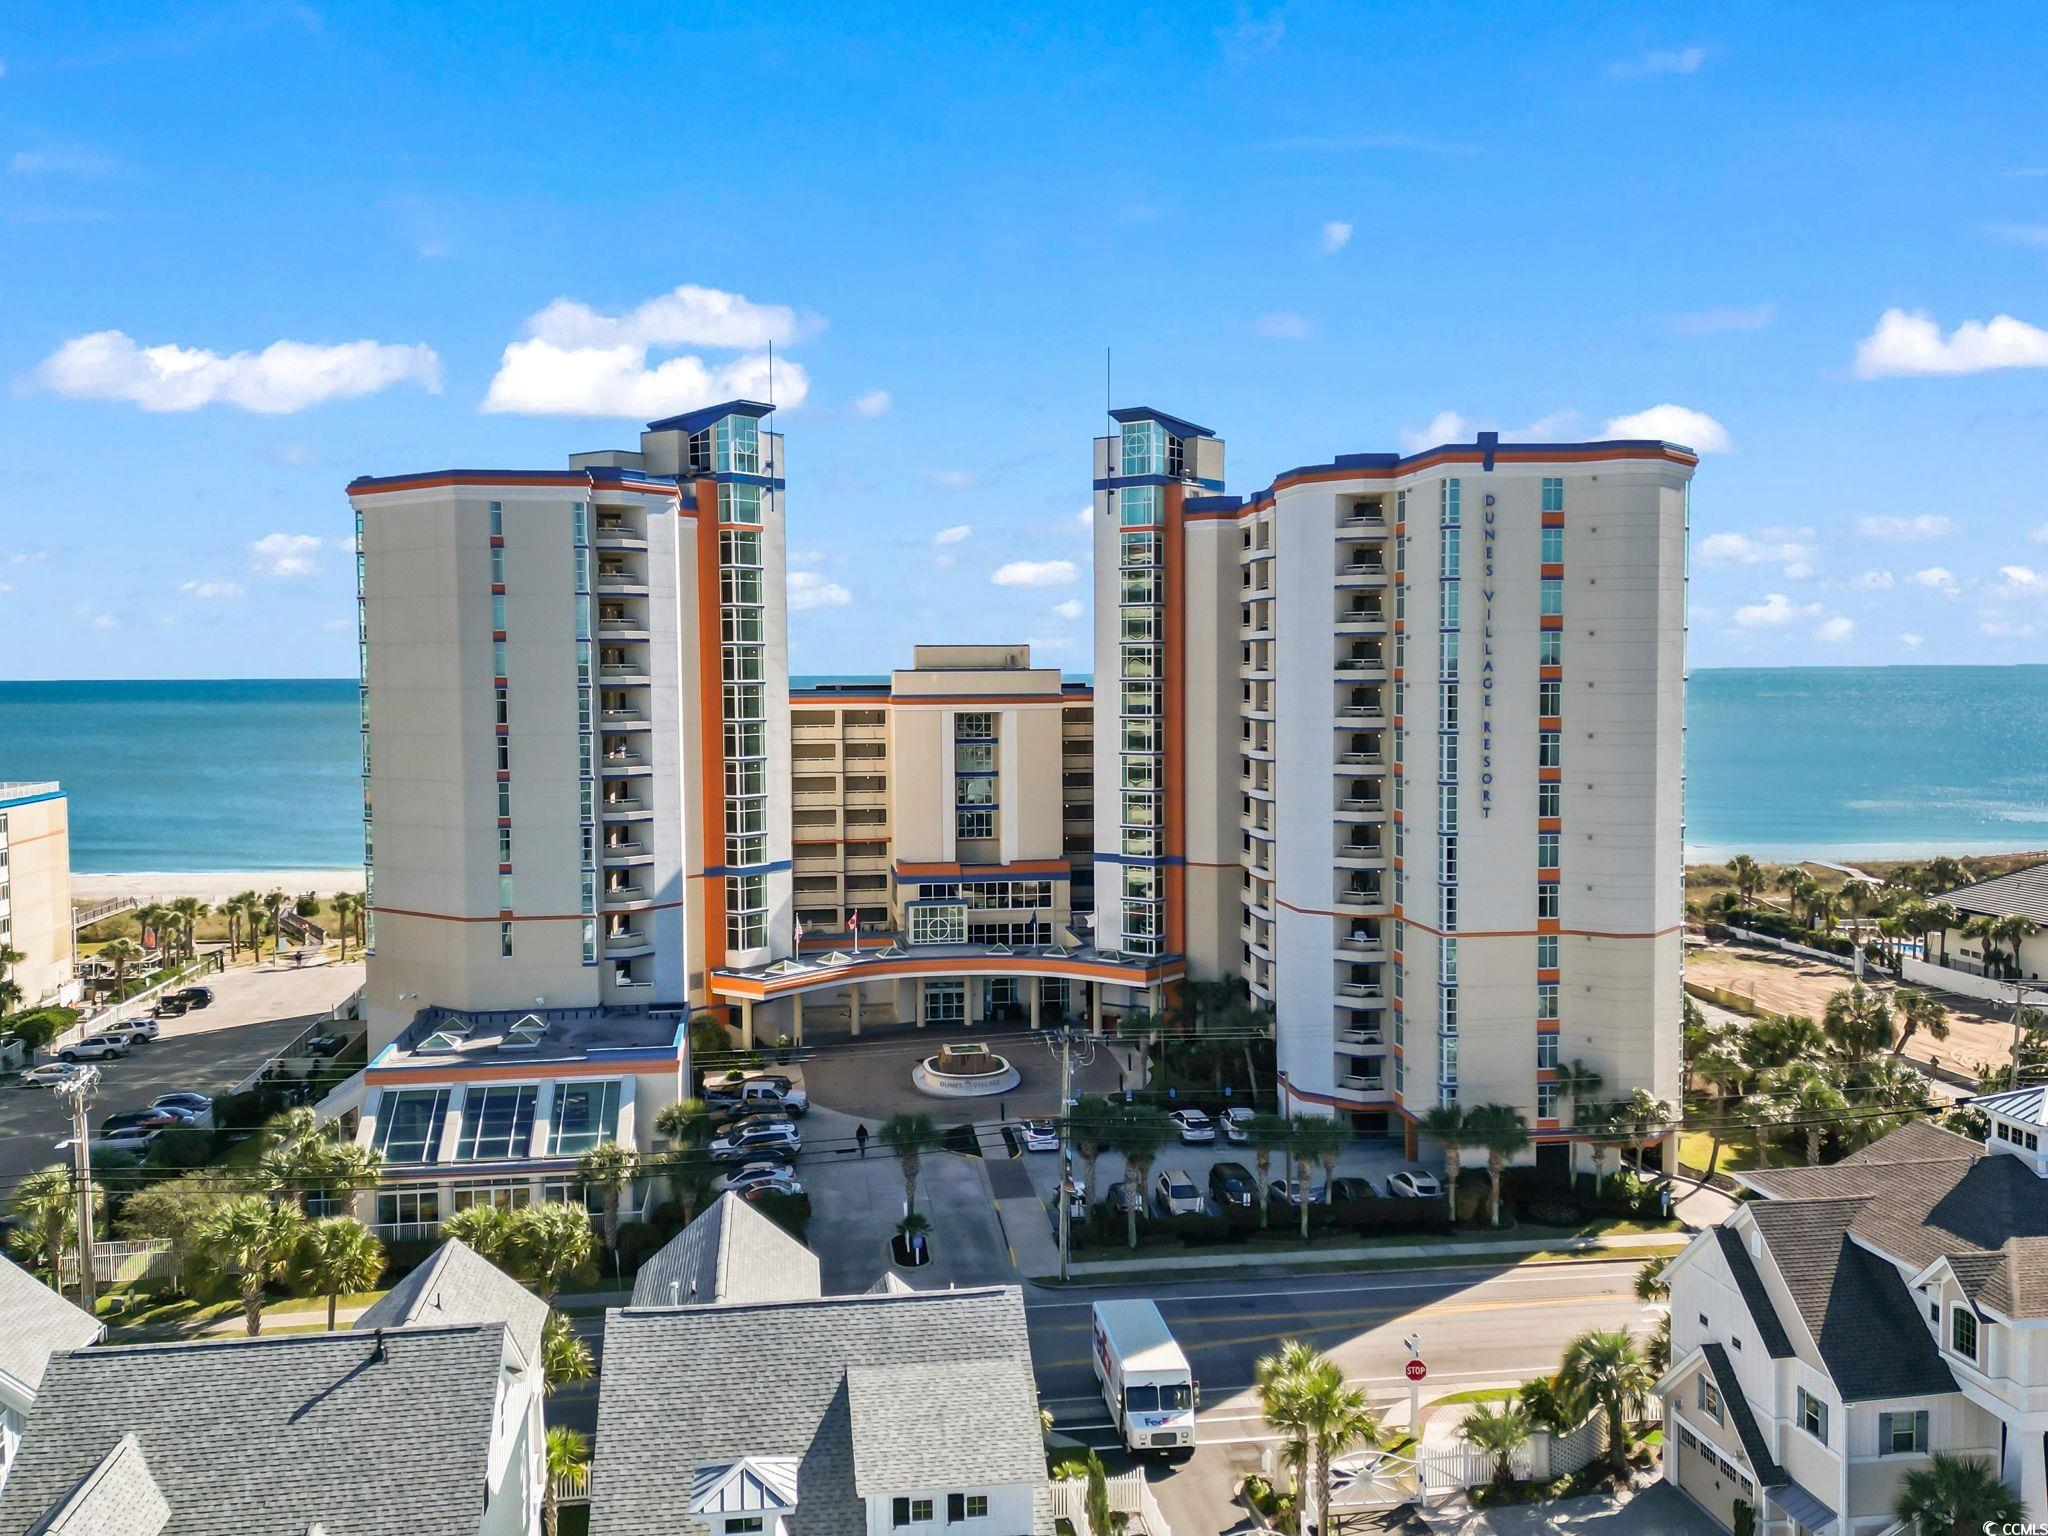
[
  {"x": 443, "y": 1036},
  {"x": 20, "y": 791}
]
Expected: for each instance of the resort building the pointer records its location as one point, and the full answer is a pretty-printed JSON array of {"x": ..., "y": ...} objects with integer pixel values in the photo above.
[
  {"x": 1833, "y": 1335},
  {"x": 1399, "y": 741},
  {"x": 35, "y": 892},
  {"x": 2009, "y": 964}
]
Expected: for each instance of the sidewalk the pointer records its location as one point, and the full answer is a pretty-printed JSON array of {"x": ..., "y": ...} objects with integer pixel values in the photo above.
[{"x": 1282, "y": 1258}]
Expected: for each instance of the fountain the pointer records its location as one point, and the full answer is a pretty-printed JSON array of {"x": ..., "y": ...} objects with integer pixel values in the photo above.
[{"x": 964, "y": 1072}]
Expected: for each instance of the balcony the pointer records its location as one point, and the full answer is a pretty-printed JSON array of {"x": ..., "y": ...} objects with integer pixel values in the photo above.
[
  {"x": 1359, "y": 1038},
  {"x": 624, "y": 895},
  {"x": 619, "y": 942},
  {"x": 624, "y": 583},
  {"x": 626, "y": 848},
  {"x": 624, "y": 807},
  {"x": 624, "y": 717},
  {"x": 614, "y": 533},
  {"x": 1353, "y": 855},
  {"x": 1372, "y": 665},
  {"x": 1353, "y": 1082},
  {"x": 1360, "y": 898},
  {"x": 1362, "y": 573},
  {"x": 1360, "y": 943},
  {"x": 1361, "y": 992},
  {"x": 867, "y": 733}
]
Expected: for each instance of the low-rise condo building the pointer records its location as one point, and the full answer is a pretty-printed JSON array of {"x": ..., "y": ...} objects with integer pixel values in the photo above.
[
  {"x": 35, "y": 893},
  {"x": 1399, "y": 741},
  {"x": 2000, "y": 952}
]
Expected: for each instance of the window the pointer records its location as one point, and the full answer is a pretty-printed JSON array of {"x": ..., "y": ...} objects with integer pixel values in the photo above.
[
  {"x": 1813, "y": 1416},
  {"x": 742, "y": 1525},
  {"x": 974, "y": 757},
  {"x": 497, "y": 519},
  {"x": 1549, "y": 798},
  {"x": 585, "y": 1113},
  {"x": 966, "y": 1506},
  {"x": 1550, "y": 697},
  {"x": 1546, "y": 1051},
  {"x": 1546, "y": 850},
  {"x": 1553, "y": 495},
  {"x": 496, "y": 1122},
  {"x": 975, "y": 824},
  {"x": 1144, "y": 451},
  {"x": 1546, "y": 1101},
  {"x": 1546, "y": 898},
  {"x": 409, "y": 1125},
  {"x": 497, "y": 565},
  {"x": 1550, "y": 648},
  {"x": 504, "y": 893},
  {"x": 1138, "y": 506},
  {"x": 1546, "y": 951},
  {"x": 1549, "y": 749},
  {"x": 498, "y": 659},
  {"x": 498, "y": 611},
  {"x": 937, "y": 922},
  {"x": 1553, "y": 546},
  {"x": 504, "y": 797},
  {"x": 746, "y": 911},
  {"x": 504, "y": 941},
  {"x": 910, "y": 1511},
  {"x": 1709, "y": 1398},
  {"x": 1553, "y": 596},
  {"x": 1962, "y": 1334},
  {"x": 739, "y": 504},
  {"x": 1901, "y": 1434},
  {"x": 416, "y": 1208},
  {"x": 1546, "y": 1002}
]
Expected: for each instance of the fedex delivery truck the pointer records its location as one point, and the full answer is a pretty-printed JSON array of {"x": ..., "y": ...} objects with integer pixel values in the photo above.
[{"x": 1145, "y": 1377}]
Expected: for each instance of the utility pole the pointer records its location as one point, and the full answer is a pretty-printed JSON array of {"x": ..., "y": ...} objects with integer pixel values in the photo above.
[
  {"x": 1066, "y": 1146},
  {"x": 76, "y": 1092}
]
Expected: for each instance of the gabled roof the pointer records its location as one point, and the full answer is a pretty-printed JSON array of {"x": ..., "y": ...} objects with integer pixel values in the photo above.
[
  {"x": 1855, "y": 1304},
  {"x": 1733, "y": 1403},
  {"x": 40, "y": 1323},
  {"x": 2023, "y": 893},
  {"x": 457, "y": 1284},
  {"x": 369, "y": 1435},
  {"x": 730, "y": 1253},
  {"x": 1762, "y": 1311},
  {"x": 890, "y": 1284},
  {"x": 688, "y": 1387},
  {"x": 908, "y": 1431},
  {"x": 1922, "y": 1193},
  {"x": 750, "y": 1485},
  {"x": 2028, "y": 1105},
  {"x": 117, "y": 1497}
]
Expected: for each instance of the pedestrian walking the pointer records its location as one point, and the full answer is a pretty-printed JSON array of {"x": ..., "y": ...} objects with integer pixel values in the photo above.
[{"x": 860, "y": 1138}]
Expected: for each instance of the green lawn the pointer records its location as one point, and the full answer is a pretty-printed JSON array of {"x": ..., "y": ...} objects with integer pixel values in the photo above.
[{"x": 1696, "y": 1147}]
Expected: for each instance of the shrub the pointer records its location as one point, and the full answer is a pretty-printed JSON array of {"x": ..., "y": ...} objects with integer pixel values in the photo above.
[
  {"x": 1201, "y": 1231},
  {"x": 1474, "y": 1193},
  {"x": 37, "y": 1027},
  {"x": 792, "y": 1213},
  {"x": 639, "y": 1241},
  {"x": 181, "y": 1146},
  {"x": 250, "y": 1111}
]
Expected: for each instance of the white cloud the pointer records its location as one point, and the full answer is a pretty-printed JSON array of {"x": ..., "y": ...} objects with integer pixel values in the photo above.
[
  {"x": 1034, "y": 573},
  {"x": 1281, "y": 325},
  {"x": 211, "y": 589},
  {"x": 2022, "y": 581},
  {"x": 1673, "y": 424},
  {"x": 86, "y": 615},
  {"x": 1723, "y": 318},
  {"x": 1911, "y": 641},
  {"x": 6, "y": 586},
  {"x": 950, "y": 479},
  {"x": 2031, "y": 235},
  {"x": 1905, "y": 529},
  {"x": 1774, "y": 612},
  {"x": 1873, "y": 581},
  {"x": 578, "y": 362},
  {"x": 285, "y": 554},
  {"x": 2006, "y": 629},
  {"x": 807, "y": 589},
  {"x": 59, "y": 160},
  {"x": 1835, "y": 630},
  {"x": 1336, "y": 235},
  {"x": 1086, "y": 518},
  {"x": 1913, "y": 344},
  {"x": 953, "y": 535},
  {"x": 874, "y": 403},
  {"x": 285, "y": 376},
  {"x": 1658, "y": 61},
  {"x": 1451, "y": 427},
  {"x": 1070, "y": 609},
  {"x": 806, "y": 557},
  {"x": 2040, "y": 534},
  {"x": 1791, "y": 549},
  {"x": 1443, "y": 427},
  {"x": 1937, "y": 578}
]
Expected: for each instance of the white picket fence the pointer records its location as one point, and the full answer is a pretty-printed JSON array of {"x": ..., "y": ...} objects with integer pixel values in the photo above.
[
  {"x": 1367, "y": 1480},
  {"x": 1129, "y": 1494},
  {"x": 118, "y": 1263}
]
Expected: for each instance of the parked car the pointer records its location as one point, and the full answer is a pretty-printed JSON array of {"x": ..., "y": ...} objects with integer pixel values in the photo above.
[
  {"x": 777, "y": 1140},
  {"x": 771, "y": 1090},
  {"x": 48, "y": 1075},
  {"x": 138, "y": 1031},
  {"x": 1237, "y": 1125},
  {"x": 1122, "y": 1198},
  {"x": 170, "y": 1008},
  {"x": 1293, "y": 1192},
  {"x": 1174, "y": 1194},
  {"x": 1039, "y": 1136},
  {"x": 327, "y": 1045},
  {"x": 1414, "y": 1184},
  {"x": 1352, "y": 1189},
  {"x": 193, "y": 997},
  {"x": 1232, "y": 1184},
  {"x": 753, "y": 1119},
  {"x": 129, "y": 1138},
  {"x": 198, "y": 1103},
  {"x": 144, "y": 1119},
  {"x": 1196, "y": 1128},
  {"x": 105, "y": 1047},
  {"x": 763, "y": 1175}
]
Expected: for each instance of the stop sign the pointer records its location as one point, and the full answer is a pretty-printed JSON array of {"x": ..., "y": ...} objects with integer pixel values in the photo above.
[{"x": 1417, "y": 1370}]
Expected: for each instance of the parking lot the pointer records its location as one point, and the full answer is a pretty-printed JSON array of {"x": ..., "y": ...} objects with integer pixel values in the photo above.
[{"x": 254, "y": 1013}]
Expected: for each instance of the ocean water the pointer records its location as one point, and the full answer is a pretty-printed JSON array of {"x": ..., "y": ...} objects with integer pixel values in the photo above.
[{"x": 1819, "y": 762}]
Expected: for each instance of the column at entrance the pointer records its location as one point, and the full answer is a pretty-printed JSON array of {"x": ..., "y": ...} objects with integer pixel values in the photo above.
[
  {"x": 796, "y": 1017},
  {"x": 853, "y": 1008}
]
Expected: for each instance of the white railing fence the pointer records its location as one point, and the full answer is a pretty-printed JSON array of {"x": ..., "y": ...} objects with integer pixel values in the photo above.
[
  {"x": 573, "y": 1487},
  {"x": 1129, "y": 1494},
  {"x": 118, "y": 1263}
]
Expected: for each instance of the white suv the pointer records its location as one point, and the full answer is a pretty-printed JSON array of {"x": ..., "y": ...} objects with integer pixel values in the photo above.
[
  {"x": 1175, "y": 1193},
  {"x": 101, "y": 1047}
]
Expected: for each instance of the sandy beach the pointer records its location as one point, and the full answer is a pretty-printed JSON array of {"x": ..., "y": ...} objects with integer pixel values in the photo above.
[{"x": 212, "y": 887}]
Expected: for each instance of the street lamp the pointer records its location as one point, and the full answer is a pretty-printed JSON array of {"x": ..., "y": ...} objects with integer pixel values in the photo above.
[{"x": 76, "y": 1093}]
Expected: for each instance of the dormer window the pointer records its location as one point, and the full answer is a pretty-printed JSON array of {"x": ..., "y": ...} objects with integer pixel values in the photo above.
[
  {"x": 1963, "y": 1332},
  {"x": 742, "y": 1525}
]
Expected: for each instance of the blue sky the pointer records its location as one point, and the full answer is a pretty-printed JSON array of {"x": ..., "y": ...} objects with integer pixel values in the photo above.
[{"x": 491, "y": 236}]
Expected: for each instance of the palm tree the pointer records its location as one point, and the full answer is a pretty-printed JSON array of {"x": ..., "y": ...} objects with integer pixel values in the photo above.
[
  {"x": 274, "y": 904},
  {"x": 347, "y": 907},
  {"x": 1604, "y": 1367},
  {"x": 1312, "y": 1406},
  {"x": 47, "y": 1203},
  {"x": 910, "y": 1136},
  {"x": 10, "y": 989},
  {"x": 611, "y": 1168},
  {"x": 564, "y": 1357},
  {"x": 153, "y": 920},
  {"x": 1779, "y": 1039},
  {"x": 1088, "y": 1126},
  {"x": 1274, "y": 1376},
  {"x": 1765, "y": 1113},
  {"x": 485, "y": 1230},
  {"x": 1748, "y": 875},
  {"x": 1916, "y": 1011},
  {"x": 1724, "y": 1074},
  {"x": 189, "y": 909},
  {"x": 1501, "y": 1431},
  {"x": 685, "y": 1125},
  {"x": 1984, "y": 929},
  {"x": 1501, "y": 1132},
  {"x": 1268, "y": 1135},
  {"x": 1138, "y": 1135},
  {"x": 1812, "y": 1098},
  {"x": 1447, "y": 1124},
  {"x": 1650, "y": 1284},
  {"x": 1577, "y": 1081},
  {"x": 2015, "y": 930},
  {"x": 1314, "y": 1139},
  {"x": 1596, "y": 1123},
  {"x": 1858, "y": 1022},
  {"x": 120, "y": 953},
  {"x": 339, "y": 1254},
  {"x": 1644, "y": 1117},
  {"x": 1953, "y": 1496},
  {"x": 568, "y": 1461},
  {"x": 550, "y": 1242},
  {"x": 254, "y": 1241}
]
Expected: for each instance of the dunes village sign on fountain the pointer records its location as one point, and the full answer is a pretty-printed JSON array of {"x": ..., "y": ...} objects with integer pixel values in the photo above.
[{"x": 964, "y": 1072}]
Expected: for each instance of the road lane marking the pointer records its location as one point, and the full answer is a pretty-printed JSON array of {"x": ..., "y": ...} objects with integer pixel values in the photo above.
[{"x": 1171, "y": 1299}]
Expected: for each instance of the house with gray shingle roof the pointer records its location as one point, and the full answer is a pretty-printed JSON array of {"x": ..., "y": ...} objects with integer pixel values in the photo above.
[
  {"x": 907, "y": 1412},
  {"x": 35, "y": 1324},
  {"x": 731, "y": 1252},
  {"x": 457, "y": 1284},
  {"x": 413, "y": 1431},
  {"x": 1834, "y": 1333}
]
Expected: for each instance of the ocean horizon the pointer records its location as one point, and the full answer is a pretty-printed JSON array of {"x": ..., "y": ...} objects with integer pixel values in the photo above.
[{"x": 1815, "y": 762}]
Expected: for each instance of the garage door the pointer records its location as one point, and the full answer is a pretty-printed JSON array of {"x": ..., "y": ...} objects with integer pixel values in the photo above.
[{"x": 1714, "y": 1481}]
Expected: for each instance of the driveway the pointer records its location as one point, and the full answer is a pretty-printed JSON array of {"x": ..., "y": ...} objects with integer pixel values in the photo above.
[
  {"x": 1656, "y": 1510},
  {"x": 869, "y": 1078}
]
